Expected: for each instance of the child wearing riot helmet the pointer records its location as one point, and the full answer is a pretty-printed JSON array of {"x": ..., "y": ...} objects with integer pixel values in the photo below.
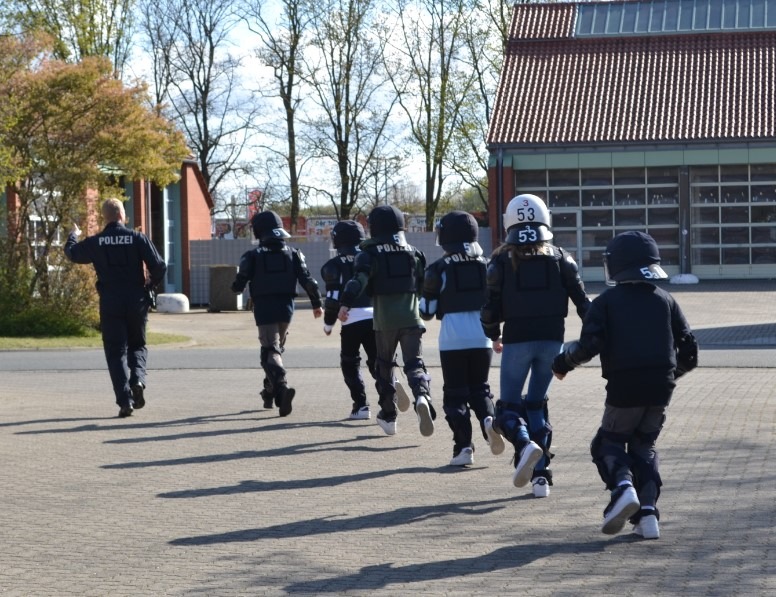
[
  {"x": 645, "y": 344},
  {"x": 357, "y": 331},
  {"x": 529, "y": 284},
  {"x": 391, "y": 272},
  {"x": 272, "y": 271},
  {"x": 454, "y": 291}
]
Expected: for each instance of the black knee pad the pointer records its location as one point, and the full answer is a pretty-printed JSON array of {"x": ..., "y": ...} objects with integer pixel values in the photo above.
[
  {"x": 599, "y": 451},
  {"x": 419, "y": 383},
  {"x": 264, "y": 355}
]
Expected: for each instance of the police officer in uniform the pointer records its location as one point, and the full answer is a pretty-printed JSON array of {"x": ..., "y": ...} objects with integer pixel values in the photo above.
[
  {"x": 357, "y": 332},
  {"x": 454, "y": 291},
  {"x": 272, "y": 271},
  {"x": 119, "y": 256},
  {"x": 529, "y": 284},
  {"x": 391, "y": 271}
]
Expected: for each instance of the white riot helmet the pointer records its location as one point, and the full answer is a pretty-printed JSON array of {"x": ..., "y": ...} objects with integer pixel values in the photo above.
[{"x": 527, "y": 221}]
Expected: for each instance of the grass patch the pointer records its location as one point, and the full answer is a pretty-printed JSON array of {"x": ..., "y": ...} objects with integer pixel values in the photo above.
[{"x": 95, "y": 341}]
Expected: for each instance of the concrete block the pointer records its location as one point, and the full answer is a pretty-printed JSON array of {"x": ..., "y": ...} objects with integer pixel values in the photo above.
[{"x": 172, "y": 303}]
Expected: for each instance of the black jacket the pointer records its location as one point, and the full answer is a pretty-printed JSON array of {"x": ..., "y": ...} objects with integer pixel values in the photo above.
[{"x": 644, "y": 342}]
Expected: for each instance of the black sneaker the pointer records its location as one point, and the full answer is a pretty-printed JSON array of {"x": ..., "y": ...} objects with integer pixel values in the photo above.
[
  {"x": 286, "y": 395},
  {"x": 125, "y": 411},
  {"x": 137, "y": 395},
  {"x": 268, "y": 399}
]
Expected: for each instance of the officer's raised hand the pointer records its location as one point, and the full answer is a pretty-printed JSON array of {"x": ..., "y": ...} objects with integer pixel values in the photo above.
[{"x": 75, "y": 230}]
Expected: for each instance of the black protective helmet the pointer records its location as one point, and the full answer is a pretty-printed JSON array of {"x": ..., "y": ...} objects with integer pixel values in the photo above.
[
  {"x": 457, "y": 232},
  {"x": 386, "y": 224},
  {"x": 267, "y": 226},
  {"x": 632, "y": 256},
  {"x": 347, "y": 234}
]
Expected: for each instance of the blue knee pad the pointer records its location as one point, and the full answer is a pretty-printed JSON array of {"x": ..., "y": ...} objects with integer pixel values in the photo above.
[
  {"x": 510, "y": 420},
  {"x": 539, "y": 427}
]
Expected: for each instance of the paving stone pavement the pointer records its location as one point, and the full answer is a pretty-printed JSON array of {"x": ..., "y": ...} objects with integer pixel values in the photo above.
[{"x": 205, "y": 493}]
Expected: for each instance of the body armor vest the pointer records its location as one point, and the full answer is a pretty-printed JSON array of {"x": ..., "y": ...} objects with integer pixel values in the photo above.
[
  {"x": 345, "y": 269},
  {"x": 273, "y": 272},
  {"x": 535, "y": 289},
  {"x": 464, "y": 284},
  {"x": 396, "y": 269}
]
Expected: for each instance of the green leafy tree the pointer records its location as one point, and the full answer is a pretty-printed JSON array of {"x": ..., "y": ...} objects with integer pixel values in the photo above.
[
  {"x": 70, "y": 129},
  {"x": 79, "y": 28}
]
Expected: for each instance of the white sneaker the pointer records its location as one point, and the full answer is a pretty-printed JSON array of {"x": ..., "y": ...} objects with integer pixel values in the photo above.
[
  {"x": 541, "y": 488},
  {"x": 648, "y": 527},
  {"x": 388, "y": 426},
  {"x": 623, "y": 505},
  {"x": 495, "y": 441},
  {"x": 360, "y": 414},
  {"x": 423, "y": 411},
  {"x": 464, "y": 458},
  {"x": 529, "y": 456},
  {"x": 402, "y": 398}
]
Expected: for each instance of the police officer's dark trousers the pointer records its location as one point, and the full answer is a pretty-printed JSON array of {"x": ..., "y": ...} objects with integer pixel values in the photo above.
[{"x": 123, "y": 320}]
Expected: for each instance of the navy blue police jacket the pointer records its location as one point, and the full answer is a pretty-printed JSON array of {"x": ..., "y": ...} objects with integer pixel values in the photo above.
[{"x": 118, "y": 255}]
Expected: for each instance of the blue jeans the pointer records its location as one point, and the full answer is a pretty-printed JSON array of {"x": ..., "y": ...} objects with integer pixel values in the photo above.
[{"x": 517, "y": 361}]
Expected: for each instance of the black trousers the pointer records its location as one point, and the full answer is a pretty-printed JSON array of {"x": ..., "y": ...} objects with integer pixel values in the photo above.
[
  {"x": 465, "y": 374},
  {"x": 353, "y": 337},
  {"x": 123, "y": 321}
]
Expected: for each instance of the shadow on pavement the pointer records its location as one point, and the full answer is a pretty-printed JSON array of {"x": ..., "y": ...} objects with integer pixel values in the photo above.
[
  {"x": 277, "y": 485},
  {"x": 281, "y": 451},
  {"x": 326, "y": 525},
  {"x": 761, "y": 335}
]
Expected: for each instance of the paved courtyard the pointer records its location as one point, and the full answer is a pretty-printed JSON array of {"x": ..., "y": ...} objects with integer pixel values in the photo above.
[{"x": 205, "y": 493}]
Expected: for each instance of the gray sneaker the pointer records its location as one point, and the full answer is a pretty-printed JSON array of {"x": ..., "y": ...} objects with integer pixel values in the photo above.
[
  {"x": 495, "y": 441},
  {"x": 423, "y": 410},
  {"x": 402, "y": 398}
]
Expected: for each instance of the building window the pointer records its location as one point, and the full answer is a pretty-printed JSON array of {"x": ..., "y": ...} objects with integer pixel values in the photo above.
[{"x": 733, "y": 214}]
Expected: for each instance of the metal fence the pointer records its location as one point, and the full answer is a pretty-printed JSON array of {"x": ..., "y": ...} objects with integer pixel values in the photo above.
[{"x": 207, "y": 253}]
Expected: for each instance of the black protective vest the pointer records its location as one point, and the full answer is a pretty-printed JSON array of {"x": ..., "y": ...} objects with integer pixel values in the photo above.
[
  {"x": 535, "y": 289},
  {"x": 273, "y": 272},
  {"x": 396, "y": 269},
  {"x": 464, "y": 284},
  {"x": 345, "y": 269}
]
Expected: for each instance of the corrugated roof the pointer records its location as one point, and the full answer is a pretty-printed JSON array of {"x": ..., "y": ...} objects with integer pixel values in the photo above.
[{"x": 659, "y": 88}]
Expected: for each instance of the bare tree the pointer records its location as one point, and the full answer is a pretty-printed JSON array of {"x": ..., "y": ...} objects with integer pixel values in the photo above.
[
  {"x": 159, "y": 32},
  {"x": 282, "y": 40},
  {"x": 433, "y": 83},
  {"x": 485, "y": 34},
  {"x": 353, "y": 97},
  {"x": 198, "y": 73}
]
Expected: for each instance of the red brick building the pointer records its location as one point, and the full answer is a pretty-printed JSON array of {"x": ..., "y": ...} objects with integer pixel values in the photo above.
[{"x": 650, "y": 115}]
